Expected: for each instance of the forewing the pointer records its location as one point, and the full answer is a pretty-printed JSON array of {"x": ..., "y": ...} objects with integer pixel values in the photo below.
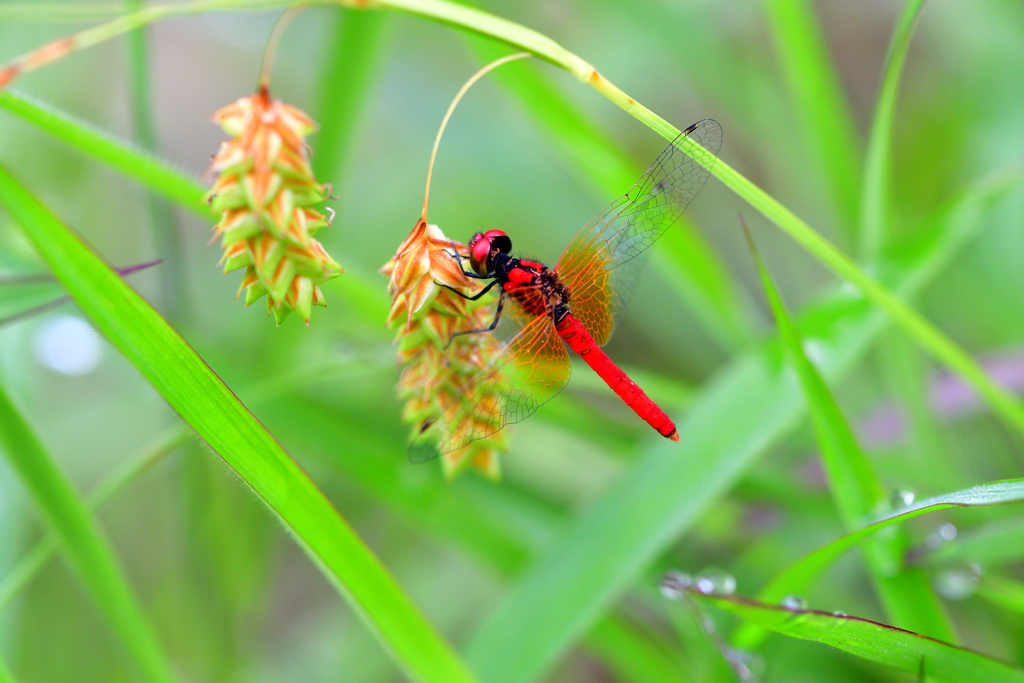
[
  {"x": 529, "y": 367},
  {"x": 601, "y": 265}
]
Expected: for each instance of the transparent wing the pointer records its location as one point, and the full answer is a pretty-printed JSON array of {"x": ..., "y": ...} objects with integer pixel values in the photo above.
[
  {"x": 525, "y": 372},
  {"x": 600, "y": 265}
]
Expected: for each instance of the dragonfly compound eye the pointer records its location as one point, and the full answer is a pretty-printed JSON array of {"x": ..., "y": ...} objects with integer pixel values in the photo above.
[{"x": 479, "y": 254}]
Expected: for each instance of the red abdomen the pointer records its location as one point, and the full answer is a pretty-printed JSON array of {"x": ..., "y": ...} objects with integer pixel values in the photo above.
[{"x": 580, "y": 341}]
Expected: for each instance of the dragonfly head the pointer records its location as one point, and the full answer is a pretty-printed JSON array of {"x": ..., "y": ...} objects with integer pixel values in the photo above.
[{"x": 484, "y": 246}]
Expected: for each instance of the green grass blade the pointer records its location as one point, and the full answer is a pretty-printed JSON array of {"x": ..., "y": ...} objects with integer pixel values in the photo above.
[
  {"x": 133, "y": 467},
  {"x": 917, "y": 326},
  {"x": 740, "y": 413},
  {"x": 684, "y": 256},
  {"x": 356, "y": 49},
  {"x": 361, "y": 291},
  {"x": 870, "y": 640},
  {"x": 59, "y": 11},
  {"x": 5, "y": 674},
  {"x": 1007, "y": 593},
  {"x": 88, "y": 551},
  {"x": 994, "y": 544},
  {"x": 37, "y": 557},
  {"x": 819, "y": 97},
  {"x": 205, "y": 403},
  {"x": 858, "y": 492},
  {"x": 854, "y": 483},
  {"x": 161, "y": 218},
  {"x": 799, "y": 577},
  {"x": 631, "y": 655},
  {"x": 875, "y": 184},
  {"x": 124, "y": 157}
]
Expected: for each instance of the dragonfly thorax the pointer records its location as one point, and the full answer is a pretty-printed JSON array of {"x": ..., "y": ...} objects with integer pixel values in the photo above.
[{"x": 535, "y": 287}]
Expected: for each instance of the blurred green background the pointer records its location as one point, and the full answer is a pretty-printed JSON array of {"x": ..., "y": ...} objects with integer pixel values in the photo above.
[{"x": 234, "y": 599}]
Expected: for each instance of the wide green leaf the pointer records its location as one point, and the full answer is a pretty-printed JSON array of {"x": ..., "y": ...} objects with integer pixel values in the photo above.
[
  {"x": 1007, "y": 593},
  {"x": 819, "y": 98},
  {"x": 870, "y": 640},
  {"x": 683, "y": 256},
  {"x": 736, "y": 417},
  {"x": 874, "y": 206},
  {"x": 88, "y": 551},
  {"x": 799, "y": 577},
  {"x": 858, "y": 491},
  {"x": 206, "y": 403},
  {"x": 924, "y": 333}
]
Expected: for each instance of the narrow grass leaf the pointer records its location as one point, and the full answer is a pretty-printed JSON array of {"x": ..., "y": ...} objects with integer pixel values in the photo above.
[
  {"x": 875, "y": 184},
  {"x": 819, "y": 97},
  {"x": 205, "y": 403},
  {"x": 870, "y": 640},
  {"x": 88, "y": 551},
  {"x": 1002, "y": 591},
  {"x": 162, "y": 221},
  {"x": 736, "y": 417},
  {"x": 799, "y": 577},
  {"x": 5, "y": 673},
  {"x": 858, "y": 492},
  {"x": 917, "y": 326},
  {"x": 855, "y": 485},
  {"x": 359, "y": 290},
  {"x": 357, "y": 48},
  {"x": 994, "y": 544},
  {"x": 684, "y": 256},
  {"x": 633, "y": 655},
  {"x": 124, "y": 157}
]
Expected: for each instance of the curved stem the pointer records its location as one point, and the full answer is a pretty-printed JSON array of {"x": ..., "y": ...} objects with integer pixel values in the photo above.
[
  {"x": 273, "y": 41},
  {"x": 451, "y": 108}
]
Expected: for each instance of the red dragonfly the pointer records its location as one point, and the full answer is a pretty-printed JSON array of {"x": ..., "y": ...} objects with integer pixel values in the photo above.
[{"x": 576, "y": 303}]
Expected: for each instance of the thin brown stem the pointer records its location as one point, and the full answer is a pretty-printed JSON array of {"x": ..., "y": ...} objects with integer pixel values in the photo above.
[
  {"x": 273, "y": 41},
  {"x": 451, "y": 108}
]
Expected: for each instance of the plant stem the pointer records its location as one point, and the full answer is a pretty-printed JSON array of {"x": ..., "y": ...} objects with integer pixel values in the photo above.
[
  {"x": 925, "y": 334},
  {"x": 873, "y": 201},
  {"x": 163, "y": 224}
]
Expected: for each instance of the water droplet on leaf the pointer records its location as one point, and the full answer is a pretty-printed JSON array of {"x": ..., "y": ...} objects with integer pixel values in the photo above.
[
  {"x": 957, "y": 584},
  {"x": 794, "y": 602},
  {"x": 902, "y": 498},
  {"x": 674, "y": 584},
  {"x": 714, "y": 581}
]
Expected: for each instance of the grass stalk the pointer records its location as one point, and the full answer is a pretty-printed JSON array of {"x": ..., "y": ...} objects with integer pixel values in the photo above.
[
  {"x": 857, "y": 489},
  {"x": 875, "y": 185},
  {"x": 205, "y": 402},
  {"x": 357, "y": 47},
  {"x": 930, "y": 338},
  {"x": 85, "y": 546},
  {"x": 819, "y": 98},
  {"x": 162, "y": 221}
]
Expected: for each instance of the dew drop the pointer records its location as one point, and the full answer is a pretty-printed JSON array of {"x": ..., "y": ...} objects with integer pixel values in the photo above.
[
  {"x": 958, "y": 584},
  {"x": 946, "y": 532},
  {"x": 713, "y": 581},
  {"x": 674, "y": 584},
  {"x": 902, "y": 498},
  {"x": 68, "y": 345},
  {"x": 839, "y": 613},
  {"x": 794, "y": 602},
  {"x": 748, "y": 666}
]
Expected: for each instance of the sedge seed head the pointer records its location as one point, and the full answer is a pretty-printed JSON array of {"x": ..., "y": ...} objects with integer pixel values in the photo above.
[
  {"x": 265, "y": 192},
  {"x": 435, "y": 382}
]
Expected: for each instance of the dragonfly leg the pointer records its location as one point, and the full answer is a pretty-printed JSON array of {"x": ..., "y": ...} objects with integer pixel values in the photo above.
[
  {"x": 494, "y": 323},
  {"x": 465, "y": 296},
  {"x": 454, "y": 253}
]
